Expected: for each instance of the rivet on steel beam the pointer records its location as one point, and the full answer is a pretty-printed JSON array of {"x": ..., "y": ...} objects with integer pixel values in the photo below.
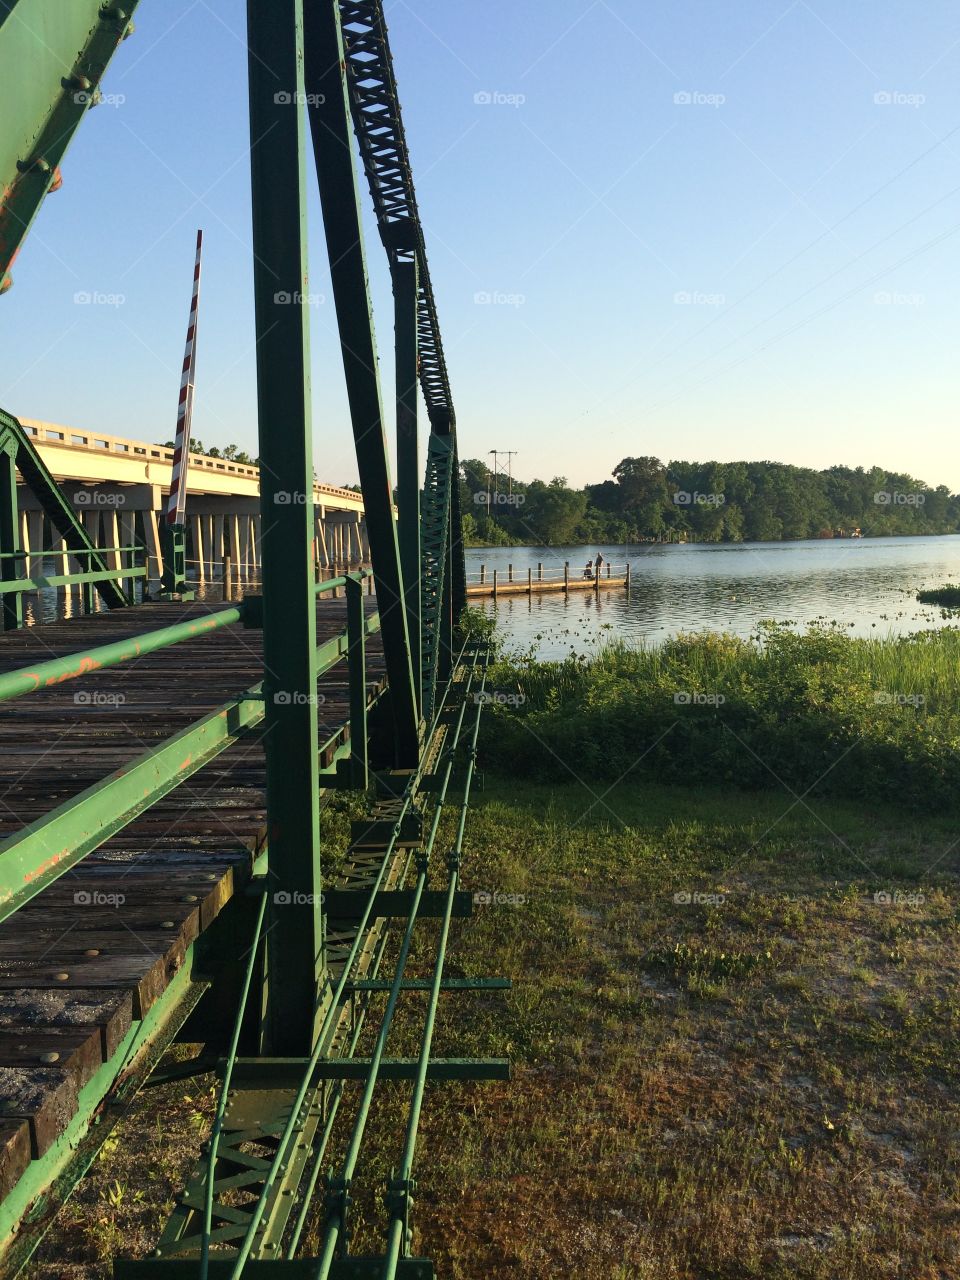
[
  {"x": 57, "y": 182},
  {"x": 189, "y": 897},
  {"x": 167, "y": 924},
  {"x": 61, "y": 977},
  {"x": 36, "y": 164},
  {"x": 91, "y": 951},
  {"x": 112, "y": 13},
  {"x": 49, "y": 1058}
]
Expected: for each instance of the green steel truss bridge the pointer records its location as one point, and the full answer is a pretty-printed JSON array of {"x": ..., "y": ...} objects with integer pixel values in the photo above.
[{"x": 161, "y": 870}]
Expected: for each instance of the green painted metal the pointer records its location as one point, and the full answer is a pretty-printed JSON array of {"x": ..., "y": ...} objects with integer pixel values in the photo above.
[
  {"x": 56, "y": 671},
  {"x": 357, "y": 657},
  {"x": 405, "y": 290},
  {"x": 57, "y": 509},
  {"x": 434, "y": 559},
  {"x": 400, "y": 1190},
  {"x": 329, "y": 113},
  {"x": 12, "y": 605},
  {"x": 213, "y": 1141},
  {"x": 275, "y": 39},
  {"x": 378, "y": 1067},
  {"x": 52, "y": 59},
  {"x": 426, "y": 984},
  {"x": 299, "y": 1102},
  {"x": 43, "y": 850},
  {"x": 173, "y": 580},
  {"x": 17, "y": 586},
  {"x": 413, "y": 1069},
  {"x": 349, "y": 903}
]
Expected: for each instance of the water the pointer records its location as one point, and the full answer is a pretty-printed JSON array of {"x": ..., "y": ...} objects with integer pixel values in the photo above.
[{"x": 867, "y": 585}]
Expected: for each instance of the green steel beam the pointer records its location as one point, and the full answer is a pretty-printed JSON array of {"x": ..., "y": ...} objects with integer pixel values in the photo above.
[
  {"x": 357, "y": 659},
  {"x": 47, "y": 675},
  {"x": 329, "y": 112},
  {"x": 405, "y": 291},
  {"x": 52, "y": 59},
  {"x": 41, "y": 582},
  {"x": 275, "y": 39},
  {"x": 281, "y": 1073},
  {"x": 426, "y": 984},
  {"x": 349, "y": 904},
  {"x": 435, "y": 554}
]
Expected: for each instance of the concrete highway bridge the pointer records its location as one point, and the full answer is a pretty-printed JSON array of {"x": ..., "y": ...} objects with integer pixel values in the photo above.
[{"x": 119, "y": 487}]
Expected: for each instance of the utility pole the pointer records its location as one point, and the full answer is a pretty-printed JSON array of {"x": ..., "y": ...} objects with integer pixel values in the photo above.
[
  {"x": 495, "y": 453},
  {"x": 511, "y": 453}
]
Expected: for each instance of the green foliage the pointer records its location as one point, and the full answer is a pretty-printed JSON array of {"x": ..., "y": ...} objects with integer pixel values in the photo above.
[
  {"x": 948, "y": 597},
  {"x": 708, "y": 501},
  {"x": 815, "y": 713},
  {"x": 477, "y": 627},
  {"x": 232, "y": 452}
]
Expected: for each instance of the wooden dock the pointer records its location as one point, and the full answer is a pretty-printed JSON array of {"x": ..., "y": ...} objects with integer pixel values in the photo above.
[
  {"x": 87, "y": 963},
  {"x": 534, "y": 581}
]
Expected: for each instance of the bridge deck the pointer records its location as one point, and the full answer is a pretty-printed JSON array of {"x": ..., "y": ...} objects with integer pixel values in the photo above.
[{"x": 89, "y": 956}]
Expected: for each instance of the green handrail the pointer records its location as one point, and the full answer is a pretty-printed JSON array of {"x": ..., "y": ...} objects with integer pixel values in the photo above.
[{"x": 58, "y": 670}]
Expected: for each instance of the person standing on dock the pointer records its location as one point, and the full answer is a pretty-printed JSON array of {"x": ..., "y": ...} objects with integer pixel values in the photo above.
[{"x": 598, "y": 563}]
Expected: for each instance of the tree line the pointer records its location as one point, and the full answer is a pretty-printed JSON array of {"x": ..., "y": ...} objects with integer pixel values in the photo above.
[{"x": 703, "y": 501}]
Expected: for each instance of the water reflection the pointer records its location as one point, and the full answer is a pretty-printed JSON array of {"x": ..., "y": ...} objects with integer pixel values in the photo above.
[{"x": 868, "y": 586}]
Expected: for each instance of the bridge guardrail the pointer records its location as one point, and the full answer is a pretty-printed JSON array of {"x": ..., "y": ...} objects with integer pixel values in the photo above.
[{"x": 81, "y": 824}]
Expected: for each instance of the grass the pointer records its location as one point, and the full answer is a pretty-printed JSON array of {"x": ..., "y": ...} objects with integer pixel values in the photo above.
[
  {"x": 735, "y": 1029},
  {"x": 734, "y": 1057},
  {"x": 861, "y": 718}
]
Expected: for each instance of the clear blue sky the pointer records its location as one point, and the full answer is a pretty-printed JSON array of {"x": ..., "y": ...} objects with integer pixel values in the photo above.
[{"x": 813, "y": 226}]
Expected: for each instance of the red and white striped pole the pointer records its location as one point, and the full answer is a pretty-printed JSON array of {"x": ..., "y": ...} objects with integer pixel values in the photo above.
[{"x": 181, "y": 445}]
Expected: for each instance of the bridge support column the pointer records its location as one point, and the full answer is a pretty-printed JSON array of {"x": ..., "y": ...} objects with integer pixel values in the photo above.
[
  {"x": 218, "y": 545},
  {"x": 151, "y": 537},
  {"x": 196, "y": 546},
  {"x": 111, "y": 535},
  {"x": 12, "y": 605},
  {"x": 36, "y": 548},
  {"x": 275, "y": 39}
]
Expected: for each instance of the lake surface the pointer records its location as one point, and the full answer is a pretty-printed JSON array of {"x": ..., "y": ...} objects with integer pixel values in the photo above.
[{"x": 868, "y": 585}]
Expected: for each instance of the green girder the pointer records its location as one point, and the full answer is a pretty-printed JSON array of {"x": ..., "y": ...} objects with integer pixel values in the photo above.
[{"x": 434, "y": 553}]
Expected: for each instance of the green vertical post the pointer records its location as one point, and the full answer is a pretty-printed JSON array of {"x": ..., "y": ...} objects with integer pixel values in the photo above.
[
  {"x": 405, "y": 290},
  {"x": 278, "y": 170},
  {"x": 333, "y": 144},
  {"x": 174, "y": 546},
  {"x": 10, "y": 532},
  {"x": 357, "y": 667}
]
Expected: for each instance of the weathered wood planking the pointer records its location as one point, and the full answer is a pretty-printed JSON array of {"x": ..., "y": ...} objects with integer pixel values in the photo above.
[{"x": 94, "y": 951}]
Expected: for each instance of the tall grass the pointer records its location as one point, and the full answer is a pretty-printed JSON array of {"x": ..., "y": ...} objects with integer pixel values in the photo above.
[{"x": 819, "y": 710}]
